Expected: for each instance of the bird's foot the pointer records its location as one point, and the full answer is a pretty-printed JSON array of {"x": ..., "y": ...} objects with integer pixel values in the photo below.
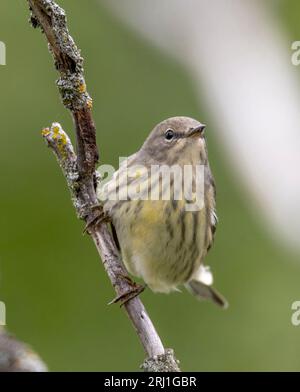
[
  {"x": 96, "y": 216},
  {"x": 135, "y": 290}
]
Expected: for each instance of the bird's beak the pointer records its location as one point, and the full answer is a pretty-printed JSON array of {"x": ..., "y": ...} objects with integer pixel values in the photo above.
[{"x": 198, "y": 131}]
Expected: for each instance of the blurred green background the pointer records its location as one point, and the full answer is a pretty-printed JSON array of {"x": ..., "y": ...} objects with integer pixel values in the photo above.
[{"x": 51, "y": 280}]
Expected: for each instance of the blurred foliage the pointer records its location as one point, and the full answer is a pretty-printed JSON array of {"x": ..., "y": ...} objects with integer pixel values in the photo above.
[{"x": 54, "y": 287}]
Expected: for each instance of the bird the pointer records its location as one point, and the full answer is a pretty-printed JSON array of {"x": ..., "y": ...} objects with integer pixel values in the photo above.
[{"x": 164, "y": 233}]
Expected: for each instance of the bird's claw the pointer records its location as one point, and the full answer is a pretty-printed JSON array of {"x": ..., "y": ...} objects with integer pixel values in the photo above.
[
  {"x": 96, "y": 216},
  {"x": 136, "y": 289}
]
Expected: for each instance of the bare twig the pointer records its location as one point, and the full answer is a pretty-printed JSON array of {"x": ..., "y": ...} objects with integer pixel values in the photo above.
[{"x": 79, "y": 171}]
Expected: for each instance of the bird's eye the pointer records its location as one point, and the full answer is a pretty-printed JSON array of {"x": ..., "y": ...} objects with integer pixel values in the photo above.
[{"x": 169, "y": 135}]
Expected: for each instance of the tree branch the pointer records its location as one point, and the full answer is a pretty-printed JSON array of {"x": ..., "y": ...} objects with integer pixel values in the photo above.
[
  {"x": 16, "y": 356},
  {"x": 79, "y": 171}
]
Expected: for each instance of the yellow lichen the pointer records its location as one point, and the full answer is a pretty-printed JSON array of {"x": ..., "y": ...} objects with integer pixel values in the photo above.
[
  {"x": 63, "y": 139},
  {"x": 56, "y": 129},
  {"x": 46, "y": 132},
  {"x": 82, "y": 88},
  {"x": 90, "y": 103},
  {"x": 56, "y": 132}
]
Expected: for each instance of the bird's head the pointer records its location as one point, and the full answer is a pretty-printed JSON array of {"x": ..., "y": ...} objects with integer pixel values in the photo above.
[{"x": 177, "y": 140}]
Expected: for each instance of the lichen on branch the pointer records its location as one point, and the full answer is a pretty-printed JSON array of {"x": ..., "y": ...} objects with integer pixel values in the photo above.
[
  {"x": 52, "y": 20},
  {"x": 68, "y": 61}
]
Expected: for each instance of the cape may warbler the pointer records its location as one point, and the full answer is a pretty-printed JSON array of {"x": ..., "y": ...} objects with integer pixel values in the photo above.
[{"x": 161, "y": 203}]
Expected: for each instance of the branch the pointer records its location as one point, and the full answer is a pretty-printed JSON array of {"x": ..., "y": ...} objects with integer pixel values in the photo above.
[
  {"x": 16, "y": 356},
  {"x": 79, "y": 171}
]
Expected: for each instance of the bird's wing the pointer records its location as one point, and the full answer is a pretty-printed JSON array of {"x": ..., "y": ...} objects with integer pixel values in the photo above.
[
  {"x": 106, "y": 187},
  {"x": 200, "y": 284},
  {"x": 210, "y": 205}
]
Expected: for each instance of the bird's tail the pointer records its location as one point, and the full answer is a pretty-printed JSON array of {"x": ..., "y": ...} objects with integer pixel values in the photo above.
[{"x": 203, "y": 292}]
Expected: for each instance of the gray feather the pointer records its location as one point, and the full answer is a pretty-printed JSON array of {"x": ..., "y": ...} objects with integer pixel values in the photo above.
[{"x": 202, "y": 291}]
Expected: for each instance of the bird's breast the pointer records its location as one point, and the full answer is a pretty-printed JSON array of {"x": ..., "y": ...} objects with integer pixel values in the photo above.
[{"x": 160, "y": 241}]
